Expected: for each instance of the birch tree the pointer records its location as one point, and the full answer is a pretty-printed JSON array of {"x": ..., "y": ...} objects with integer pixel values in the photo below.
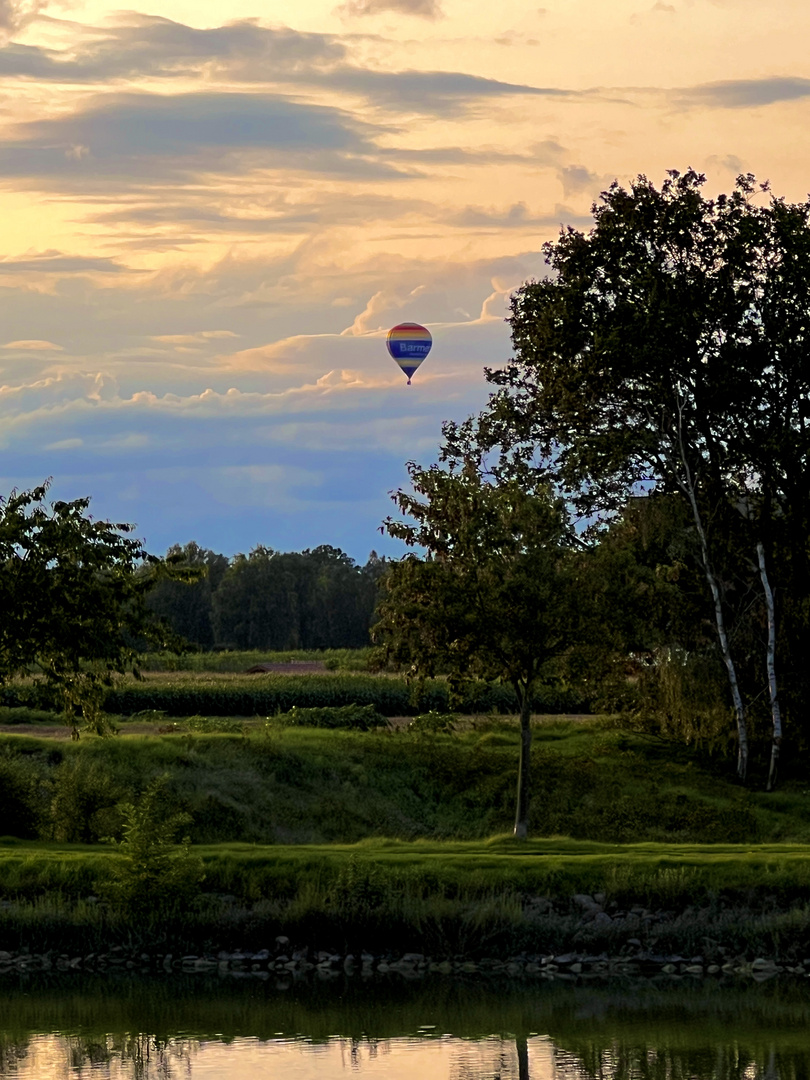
[{"x": 668, "y": 349}]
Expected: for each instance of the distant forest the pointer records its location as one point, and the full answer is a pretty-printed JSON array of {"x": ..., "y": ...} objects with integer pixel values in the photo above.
[{"x": 313, "y": 599}]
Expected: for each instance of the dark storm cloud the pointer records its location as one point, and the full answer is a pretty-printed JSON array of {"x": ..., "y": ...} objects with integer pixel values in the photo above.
[
  {"x": 747, "y": 93},
  {"x": 157, "y": 137}
]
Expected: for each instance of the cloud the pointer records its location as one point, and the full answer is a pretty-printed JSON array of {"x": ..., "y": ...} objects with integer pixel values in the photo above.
[
  {"x": 15, "y": 14},
  {"x": 200, "y": 337},
  {"x": 747, "y": 93},
  {"x": 425, "y": 9},
  {"x": 56, "y": 262},
  {"x": 33, "y": 345},
  {"x": 158, "y": 47},
  {"x": 432, "y": 92},
  {"x": 65, "y": 444},
  {"x": 516, "y": 216},
  {"x": 146, "y": 137},
  {"x": 728, "y": 163}
]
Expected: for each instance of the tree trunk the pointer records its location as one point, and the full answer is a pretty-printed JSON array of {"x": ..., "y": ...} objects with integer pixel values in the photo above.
[
  {"x": 524, "y": 767},
  {"x": 776, "y": 714},
  {"x": 522, "y": 1047},
  {"x": 687, "y": 485}
]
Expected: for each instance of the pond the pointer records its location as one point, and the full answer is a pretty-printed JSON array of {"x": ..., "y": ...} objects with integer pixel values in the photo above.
[{"x": 55, "y": 1028}]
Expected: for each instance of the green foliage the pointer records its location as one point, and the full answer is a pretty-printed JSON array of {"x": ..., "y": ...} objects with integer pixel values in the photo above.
[
  {"x": 493, "y": 598},
  {"x": 667, "y": 350},
  {"x": 237, "y": 661},
  {"x": 211, "y": 724},
  {"x": 153, "y": 876},
  {"x": 295, "y": 600},
  {"x": 73, "y": 596},
  {"x": 347, "y": 717},
  {"x": 265, "y": 695},
  {"x": 433, "y": 722}
]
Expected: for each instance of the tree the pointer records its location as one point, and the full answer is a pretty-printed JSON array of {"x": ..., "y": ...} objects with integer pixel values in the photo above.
[
  {"x": 313, "y": 599},
  {"x": 669, "y": 350},
  {"x": 490, "y": 600},
  {"x": 72, "y": 597},
  {"x": 187, "y": 606}
]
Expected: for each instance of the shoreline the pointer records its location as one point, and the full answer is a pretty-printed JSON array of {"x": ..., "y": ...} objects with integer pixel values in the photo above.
[{"x": 323, "y": 965}]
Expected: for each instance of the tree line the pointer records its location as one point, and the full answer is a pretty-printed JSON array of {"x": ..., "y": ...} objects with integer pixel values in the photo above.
[{"x": 312, "y": 599}]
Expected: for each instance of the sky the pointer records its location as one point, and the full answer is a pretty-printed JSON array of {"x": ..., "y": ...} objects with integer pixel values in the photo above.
[{"x": 212, "y": 213}]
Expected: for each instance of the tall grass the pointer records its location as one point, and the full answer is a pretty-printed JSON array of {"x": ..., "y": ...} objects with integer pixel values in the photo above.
[
  {"x": 239, "y": 660},
  {"x": 444, "y": 899}
]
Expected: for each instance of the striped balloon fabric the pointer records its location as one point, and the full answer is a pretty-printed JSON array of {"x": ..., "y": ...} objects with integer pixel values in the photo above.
[{"x": 409, "y": 343}]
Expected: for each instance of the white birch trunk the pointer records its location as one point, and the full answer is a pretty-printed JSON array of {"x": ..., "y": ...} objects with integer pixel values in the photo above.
[
  {"x": 776, "y": 743},
  {"x": 688, "y": 487}
]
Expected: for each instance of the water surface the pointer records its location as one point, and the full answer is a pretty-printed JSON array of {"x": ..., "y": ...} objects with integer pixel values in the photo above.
[{"x": 55, "y": 1028}]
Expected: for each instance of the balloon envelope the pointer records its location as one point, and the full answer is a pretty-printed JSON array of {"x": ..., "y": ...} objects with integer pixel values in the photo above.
[{"x": 409, "y": 343}]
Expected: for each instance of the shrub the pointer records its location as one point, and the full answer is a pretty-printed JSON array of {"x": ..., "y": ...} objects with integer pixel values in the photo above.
[
  {"x": 348, "y": 717},
  {"x": 433, "y": 722},
  {"x": 153, "y": 876}
]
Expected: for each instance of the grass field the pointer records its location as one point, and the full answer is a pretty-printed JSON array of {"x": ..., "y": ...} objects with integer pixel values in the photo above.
[
  {"x": 440, "y": 898},
  {"x": 261, "y": 782},
  {"x": 555, "y": 867},
  {"x": 393, "y": 834}
]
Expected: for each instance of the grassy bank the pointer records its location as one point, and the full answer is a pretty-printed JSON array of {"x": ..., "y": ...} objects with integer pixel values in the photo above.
[
  {"x": 265, "y": 783},
  {"x": 360, "y": 839},
  {"x": 450, "y": 899}
]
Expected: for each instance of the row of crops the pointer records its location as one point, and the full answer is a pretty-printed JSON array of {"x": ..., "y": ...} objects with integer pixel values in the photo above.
[{"x": 265, "y": 695}]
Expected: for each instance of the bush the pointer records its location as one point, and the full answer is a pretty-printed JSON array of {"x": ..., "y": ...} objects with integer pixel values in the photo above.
[
  {"x": 153, "y": 876},
  {"x": 347, "y": 717},
  {"x": 20, "y": 797},
  {"x": 433, "y": 722}
]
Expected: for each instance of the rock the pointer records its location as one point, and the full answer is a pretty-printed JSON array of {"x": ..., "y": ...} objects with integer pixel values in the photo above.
[
  {"x": 585, "y": 903},
  {"x": 601, "y": 918},
  {"x": 282, "y": 940},
  {"x": 761, "y": 964},
  {"x": 669, "y": 969}
]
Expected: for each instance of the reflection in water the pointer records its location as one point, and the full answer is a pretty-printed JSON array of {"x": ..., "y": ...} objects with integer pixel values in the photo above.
[{"x": 199, "y": 1030}]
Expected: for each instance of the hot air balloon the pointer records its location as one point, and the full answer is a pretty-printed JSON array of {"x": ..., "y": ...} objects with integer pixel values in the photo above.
[{"x": 409, "y": 343}]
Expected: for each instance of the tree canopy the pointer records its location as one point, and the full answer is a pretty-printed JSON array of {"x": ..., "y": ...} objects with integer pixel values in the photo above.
[
  {"x": 668, "y": 350},
  {"x": 490, "y": 599},
  {"x": 73, "y": 599}
]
